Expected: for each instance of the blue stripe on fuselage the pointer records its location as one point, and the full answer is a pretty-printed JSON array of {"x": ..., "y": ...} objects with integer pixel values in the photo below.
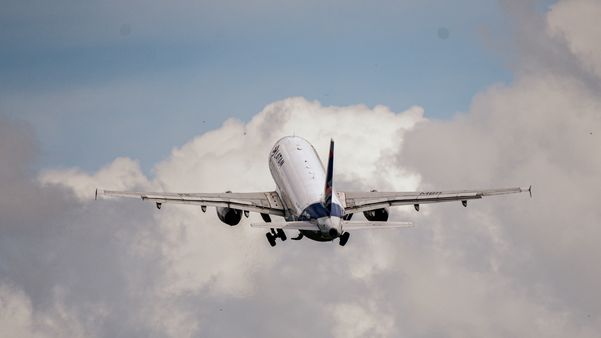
[{"x": 318, "y": 210}]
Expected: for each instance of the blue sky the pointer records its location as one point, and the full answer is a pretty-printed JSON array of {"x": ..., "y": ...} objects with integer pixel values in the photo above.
[{"x": 99, "y": 80}]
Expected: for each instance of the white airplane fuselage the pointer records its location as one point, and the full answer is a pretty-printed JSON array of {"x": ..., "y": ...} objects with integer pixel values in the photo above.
[{"x": 300, "y": 179}]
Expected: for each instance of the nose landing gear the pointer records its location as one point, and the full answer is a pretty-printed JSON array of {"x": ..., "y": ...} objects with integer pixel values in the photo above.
[{"x": 275, "y": 234}]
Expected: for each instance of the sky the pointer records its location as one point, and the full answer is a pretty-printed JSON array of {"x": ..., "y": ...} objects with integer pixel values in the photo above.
[
  {"x": 139, "y": 78},
  {"x": 417, "y": 95}
]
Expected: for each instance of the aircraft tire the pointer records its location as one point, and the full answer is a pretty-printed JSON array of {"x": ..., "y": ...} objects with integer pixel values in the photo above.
[
  {"x": 270, "y": 239},
  {"x": 281, "y": 234},
  {"x": 344, "y": 238}
]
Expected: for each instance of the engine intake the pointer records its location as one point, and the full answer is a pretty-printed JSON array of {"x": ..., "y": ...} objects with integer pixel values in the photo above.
[
  {"x": 229, "y": 216},
  {"x": 377, "y": 215}
]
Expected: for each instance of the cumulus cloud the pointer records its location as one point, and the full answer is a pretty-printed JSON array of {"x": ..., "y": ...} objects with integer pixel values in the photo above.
[
  {"x": 542, "y": 129},
  {"x": 66, "y": 270},
  {"x": 576, "y": 22},
  {"x": 122, "y": 174},
  {"x": 354, "y": 320},
  {"x": 502, "y": 267}
]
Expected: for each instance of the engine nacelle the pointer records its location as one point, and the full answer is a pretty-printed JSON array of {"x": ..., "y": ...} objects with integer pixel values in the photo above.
[
  {"x": 377, "y": 215},
  {"x": 229, "y": 216}
]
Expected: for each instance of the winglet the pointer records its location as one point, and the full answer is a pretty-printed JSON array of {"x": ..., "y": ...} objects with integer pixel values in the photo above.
[
  {"x": 329, "y": 187},
  {"x": 530, "y": 190},
  {"x": 96, "y": 194}
]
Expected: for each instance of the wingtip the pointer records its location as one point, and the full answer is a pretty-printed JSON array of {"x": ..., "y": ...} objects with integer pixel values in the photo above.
[
  {"x": 529, "y": 190},
  {"x": 96, "y": 194}
]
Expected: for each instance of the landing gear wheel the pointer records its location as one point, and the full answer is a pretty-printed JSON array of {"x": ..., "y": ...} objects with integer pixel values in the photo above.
[
  {"x": 281, "y": 234},
  {"x": 270, "y": 239},
  {"x": 344, "y": 238}
]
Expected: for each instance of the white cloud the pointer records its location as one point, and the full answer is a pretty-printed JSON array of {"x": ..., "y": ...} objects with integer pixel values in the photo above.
[
  {"x": 121, "y": 174},
  {"x": 15, "y": 313},
  {"x": 18, "y": 320},
  {"x": 354, "y": 320},
  {"x": 577, "y": 22}
]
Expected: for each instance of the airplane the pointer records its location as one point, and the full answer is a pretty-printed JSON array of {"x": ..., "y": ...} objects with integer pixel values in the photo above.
[{"x": 305, "y": 197}]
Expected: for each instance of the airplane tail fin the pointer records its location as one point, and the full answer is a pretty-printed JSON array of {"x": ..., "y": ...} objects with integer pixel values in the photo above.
[{"x": 329, "y": 188}]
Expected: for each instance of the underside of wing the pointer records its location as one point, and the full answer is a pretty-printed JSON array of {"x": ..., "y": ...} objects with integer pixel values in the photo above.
[
  {"x": 261, "y": 202},
  {"x": 363, "y": 201}
]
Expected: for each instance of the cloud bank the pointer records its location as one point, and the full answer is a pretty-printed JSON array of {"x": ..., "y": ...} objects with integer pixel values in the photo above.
[{"x": 502, "y": 267}]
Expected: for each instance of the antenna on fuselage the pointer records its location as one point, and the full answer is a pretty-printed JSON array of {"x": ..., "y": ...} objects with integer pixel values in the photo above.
[{"x": 329, "y": 187}]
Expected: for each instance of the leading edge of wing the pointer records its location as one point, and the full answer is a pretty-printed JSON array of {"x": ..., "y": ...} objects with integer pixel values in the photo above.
[
  {"x": 263, "y": 202},
  {"x": 362, "y": 201}
]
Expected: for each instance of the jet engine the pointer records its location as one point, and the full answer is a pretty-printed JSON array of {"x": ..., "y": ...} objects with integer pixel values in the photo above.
[
  {"x": 377, "y": 215},
  {"x": 229, "y": 216}
]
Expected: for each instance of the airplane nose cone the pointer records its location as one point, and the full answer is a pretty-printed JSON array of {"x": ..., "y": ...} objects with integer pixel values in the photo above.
[{"x": 334, "y": 232}]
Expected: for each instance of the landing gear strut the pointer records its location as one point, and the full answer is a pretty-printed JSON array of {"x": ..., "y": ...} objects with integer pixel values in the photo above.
[
  {"x": 344, "y": 238},
  {"x": 274, "y": 234}
]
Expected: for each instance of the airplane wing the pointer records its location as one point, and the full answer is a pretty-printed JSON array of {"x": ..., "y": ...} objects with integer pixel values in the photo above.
[
  {"x": 262, "y": 202},
  {"x": 364, "y": 201}
]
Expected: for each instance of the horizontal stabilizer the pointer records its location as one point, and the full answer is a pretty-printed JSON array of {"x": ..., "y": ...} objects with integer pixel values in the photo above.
[
  {"x": 286, "y": 225},
  {"x": 360, "y": 225},
  {"x": 346, "y": 226}
]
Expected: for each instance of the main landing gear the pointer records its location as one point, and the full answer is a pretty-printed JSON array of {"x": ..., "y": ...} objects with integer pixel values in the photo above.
[
  {"x": 344, "y": 238},
  {"x": 275, "y": 234}
]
